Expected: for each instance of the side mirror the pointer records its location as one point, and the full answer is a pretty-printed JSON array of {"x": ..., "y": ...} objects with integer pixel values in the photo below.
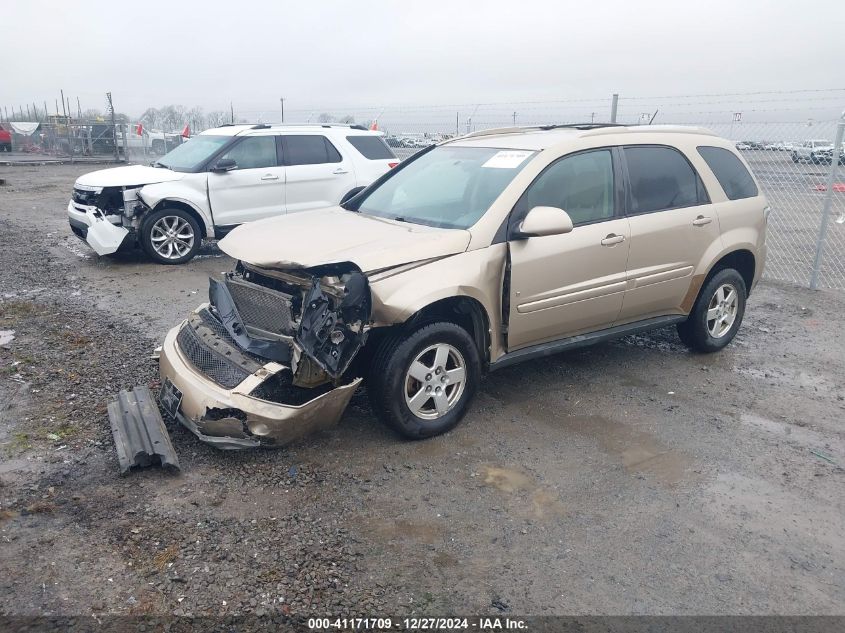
[
  {"x": 542, "y": 221},
  {"x": 224, "y": 165}
]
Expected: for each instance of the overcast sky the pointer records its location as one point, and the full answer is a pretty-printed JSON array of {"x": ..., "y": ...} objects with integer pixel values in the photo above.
[{"x": 330, "y": 54}]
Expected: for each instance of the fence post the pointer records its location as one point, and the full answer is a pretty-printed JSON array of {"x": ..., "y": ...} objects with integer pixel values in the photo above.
[
  {"x": 613, "y": 107},
  {"x": 828, "y": 201}
]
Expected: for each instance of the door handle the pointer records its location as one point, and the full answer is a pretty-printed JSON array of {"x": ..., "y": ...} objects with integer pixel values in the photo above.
[
  {"x": 702, "y": 220},
  {"x": 269, "y": 177},
  {"x": 339, "y": 171},
  {"x": 612, "y": 239}
]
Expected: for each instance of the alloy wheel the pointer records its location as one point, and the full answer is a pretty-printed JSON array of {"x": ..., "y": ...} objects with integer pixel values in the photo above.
[
  {"x": 722, "y": 310},
  {"x": 435, "y": 381},
  {"x": 172, "y": 237}
]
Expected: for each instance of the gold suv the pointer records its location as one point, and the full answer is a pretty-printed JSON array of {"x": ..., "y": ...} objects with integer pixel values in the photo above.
[{"x": 493, "y": 248}]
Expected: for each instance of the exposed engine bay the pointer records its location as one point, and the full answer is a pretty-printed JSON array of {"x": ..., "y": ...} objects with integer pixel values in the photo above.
[
  {"x": 267, "y": 359},
  {"x": 301, "y": 318}
]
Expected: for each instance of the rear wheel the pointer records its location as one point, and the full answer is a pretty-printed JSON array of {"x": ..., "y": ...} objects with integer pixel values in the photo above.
[
  {"x": 717, "y": 313},
  {"x": 170, "y": 236},
  {"x": 422, "y": 383}
]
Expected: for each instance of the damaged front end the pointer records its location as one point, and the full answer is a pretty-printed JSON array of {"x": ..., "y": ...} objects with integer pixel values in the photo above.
[
  {"x": 107, "y": 218},
  {"x": 267, "y": 359}
]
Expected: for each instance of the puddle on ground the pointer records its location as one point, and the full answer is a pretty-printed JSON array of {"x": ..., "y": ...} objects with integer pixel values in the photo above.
[
  {"x": 540, "y": 502},
  {"x": 506, "y": 479},
  {"x": 639, "y": 452}
]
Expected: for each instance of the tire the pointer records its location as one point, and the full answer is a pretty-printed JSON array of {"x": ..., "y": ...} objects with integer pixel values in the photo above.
[
  {"x": 393, "y": 390},
  {"x": 697, "y": 332},
  {"x": 157, "y": 231}
]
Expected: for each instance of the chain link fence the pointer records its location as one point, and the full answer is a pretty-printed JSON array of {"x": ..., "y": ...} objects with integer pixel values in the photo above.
[{"x": 768, "y": 128}]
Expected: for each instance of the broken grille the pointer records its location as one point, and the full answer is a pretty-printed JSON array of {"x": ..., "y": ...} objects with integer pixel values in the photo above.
[
  {"x": 224, "y": 372},
  {"x": 264, "y": 311}
]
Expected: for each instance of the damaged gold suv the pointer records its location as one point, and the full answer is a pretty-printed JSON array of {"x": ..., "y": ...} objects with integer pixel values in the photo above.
[{"x": 490, "y": 249}]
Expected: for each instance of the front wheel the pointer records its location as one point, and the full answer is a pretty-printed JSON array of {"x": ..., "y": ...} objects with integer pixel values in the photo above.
[
  {"x": 170, "y": 236},
  {"x": 717, "y": 314},
  {"x": 422, "y": 383}
]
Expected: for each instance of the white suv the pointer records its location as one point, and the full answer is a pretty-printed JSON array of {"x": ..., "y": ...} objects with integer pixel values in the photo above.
[{"x": 220, "y": 179}]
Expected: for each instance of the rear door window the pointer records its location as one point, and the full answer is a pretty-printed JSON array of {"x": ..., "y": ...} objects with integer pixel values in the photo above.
[
  {"x": 371, "y": 147},
  {"x": 730, "y": 172},
  {"x": 661, "y": 178},
  {"x": 312, "y": 149}
]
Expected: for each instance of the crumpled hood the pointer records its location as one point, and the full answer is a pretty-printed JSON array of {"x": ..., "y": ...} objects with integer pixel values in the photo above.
[
  {"x": 334, "y": 235},
  {"x": 128, "y": 176}
]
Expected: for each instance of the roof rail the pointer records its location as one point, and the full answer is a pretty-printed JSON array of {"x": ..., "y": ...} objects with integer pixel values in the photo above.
[{"x": 529, "y": 128}]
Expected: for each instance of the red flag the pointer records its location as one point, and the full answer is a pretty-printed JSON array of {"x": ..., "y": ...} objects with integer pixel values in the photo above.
[
  {"x": 139, "y": 129},
  {"x": 374, "y": 125},
  {"x": 186, "y": 132}
]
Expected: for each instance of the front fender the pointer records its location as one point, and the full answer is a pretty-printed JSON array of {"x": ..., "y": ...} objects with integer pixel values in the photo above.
[
  {"x": 186, "y": 191},
  {"x": 477, "y": 274}
]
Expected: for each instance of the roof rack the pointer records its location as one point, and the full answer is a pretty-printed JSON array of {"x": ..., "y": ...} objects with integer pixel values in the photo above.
[
  {"x": 580, "y": 126},
  {"x": 528, "y": 128}
]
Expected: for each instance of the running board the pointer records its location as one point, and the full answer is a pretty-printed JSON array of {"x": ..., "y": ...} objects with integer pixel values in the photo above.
[{"x": 583, "y": 340}]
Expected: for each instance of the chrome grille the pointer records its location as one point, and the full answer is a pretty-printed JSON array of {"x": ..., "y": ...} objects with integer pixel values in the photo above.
[
  {"x": 215, "y": 366},
  {"x": 264, "y": 311}
]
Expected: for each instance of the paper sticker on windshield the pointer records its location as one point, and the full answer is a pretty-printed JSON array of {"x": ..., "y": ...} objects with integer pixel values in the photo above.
[{"x": 507, "y": 159}]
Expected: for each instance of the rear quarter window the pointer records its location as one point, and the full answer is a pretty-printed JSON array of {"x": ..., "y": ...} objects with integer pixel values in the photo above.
[
  {"x": 730, "y": 172},
  {"x": 371, "y": 147}
]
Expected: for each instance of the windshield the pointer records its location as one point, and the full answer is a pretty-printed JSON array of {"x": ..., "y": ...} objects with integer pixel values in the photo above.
[
  {"x": 191, "y": 154},
  {"x": 448, "y": 187}
]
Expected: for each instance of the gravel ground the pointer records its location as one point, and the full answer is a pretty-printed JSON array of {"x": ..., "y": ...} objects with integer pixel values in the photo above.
[{"x": 630, "y": 478}]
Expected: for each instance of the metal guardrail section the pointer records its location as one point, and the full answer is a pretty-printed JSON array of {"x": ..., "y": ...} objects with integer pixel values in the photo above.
[{"x": 140, "y": 436}]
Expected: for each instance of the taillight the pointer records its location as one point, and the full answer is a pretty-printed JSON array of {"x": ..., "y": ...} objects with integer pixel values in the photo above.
[{"x": 392, "y": 165}]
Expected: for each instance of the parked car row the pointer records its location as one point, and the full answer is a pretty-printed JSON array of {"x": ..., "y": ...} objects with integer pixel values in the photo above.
[{"x": 816, "y": 151}]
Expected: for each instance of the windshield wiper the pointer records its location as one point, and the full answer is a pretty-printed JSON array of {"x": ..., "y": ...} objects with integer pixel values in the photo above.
[{"x": 158, "y": 164}]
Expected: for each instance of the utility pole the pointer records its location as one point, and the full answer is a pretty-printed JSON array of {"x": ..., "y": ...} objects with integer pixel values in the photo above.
[
  {"x": 232, "y": 111},
  {"x": 613, "y": 107},
  {"x": 457, "y": 124},
  {"x": 78, "y": 108},
  {"x": 592, "y": 117},
  {"x": 114, "y": 128},
  {"x": 282, "y": 103},
  {"x": 514, "y": 118},
  {"x": 63, "y": 105}
]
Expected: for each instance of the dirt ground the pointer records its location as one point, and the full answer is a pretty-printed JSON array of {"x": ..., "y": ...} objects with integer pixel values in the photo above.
[{"x": 629, "y": 478}]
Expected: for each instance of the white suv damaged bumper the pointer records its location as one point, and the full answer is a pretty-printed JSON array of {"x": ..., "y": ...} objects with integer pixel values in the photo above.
[{"x": 90, "y": 225}]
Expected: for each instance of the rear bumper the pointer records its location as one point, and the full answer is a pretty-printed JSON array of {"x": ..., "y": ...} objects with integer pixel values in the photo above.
[{"x": 234, "y": 419}]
